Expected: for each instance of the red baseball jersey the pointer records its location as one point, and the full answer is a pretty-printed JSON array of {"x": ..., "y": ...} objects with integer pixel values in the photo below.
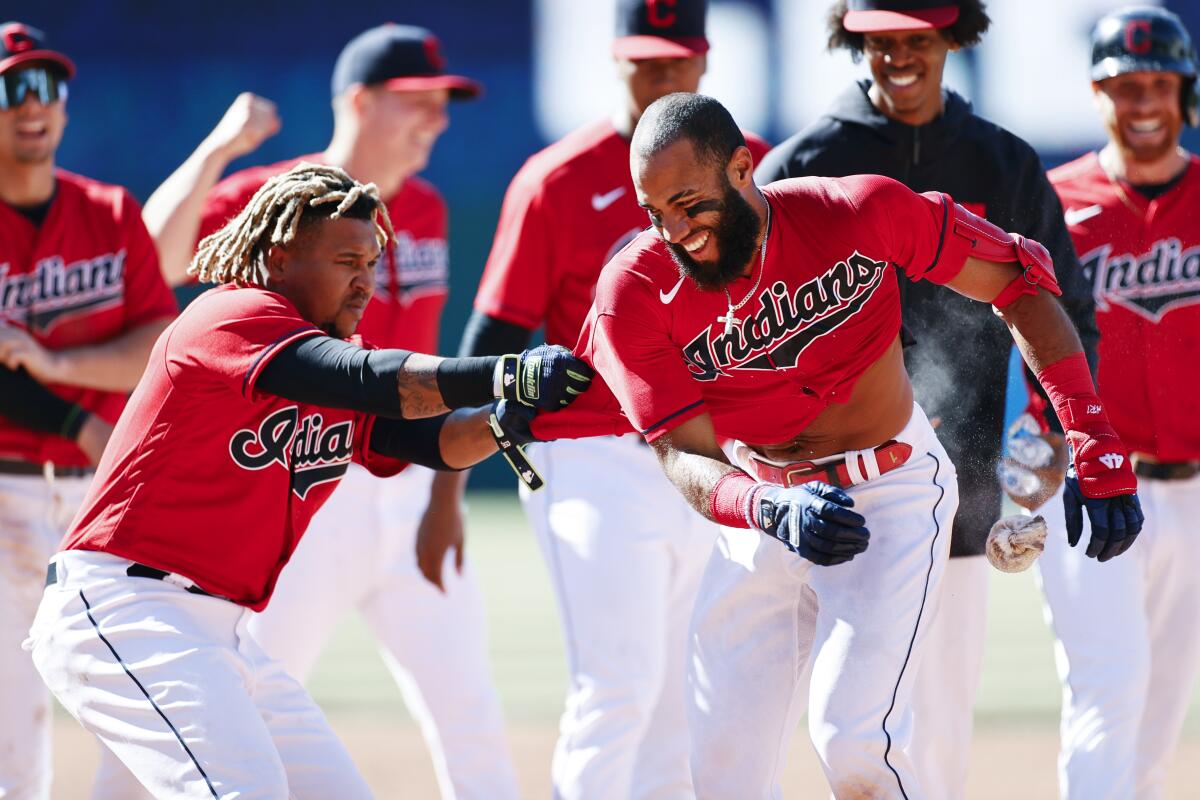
[
  {"x": 826, "y": 308},
  {"x": 204, "y": 475},
  {"x": 1143, "y": 257},
  {"x": 88, "y": 274},
  {"x": 569, "y": 210},
  {"x": 411, "y": 279}
]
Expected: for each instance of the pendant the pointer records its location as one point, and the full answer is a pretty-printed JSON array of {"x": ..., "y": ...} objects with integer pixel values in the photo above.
[{"x": 730, "y": 320}]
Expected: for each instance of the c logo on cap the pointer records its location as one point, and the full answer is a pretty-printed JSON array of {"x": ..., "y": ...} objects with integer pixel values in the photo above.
[
  {"x": 17, "y": 38},
  {"x": 1137, "y": 36},
  {"x": 657, "y": 17},
  {"x": 433, "y": 55}
]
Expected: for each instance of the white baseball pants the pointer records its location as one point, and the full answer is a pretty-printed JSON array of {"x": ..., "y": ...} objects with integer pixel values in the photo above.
[
  {"x": 1128, "y": 645},
  {"x": 943, "y": 698},
  {"x": 625, "y": 554},
  {"x": 173, "y": 684},
  {"x": 35, "y": 512},
  {"x": 764, "y": 616}
]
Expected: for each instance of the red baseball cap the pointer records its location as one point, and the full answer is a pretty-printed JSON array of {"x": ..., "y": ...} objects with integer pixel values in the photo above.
[
  {"x": 402, "y": 57},
  {"x": 869, "y": 16},
  {"x": 660, "y": 29},
  {"x": 21, "y": 44}
]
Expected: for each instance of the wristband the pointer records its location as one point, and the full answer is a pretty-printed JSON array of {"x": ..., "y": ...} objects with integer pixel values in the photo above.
[
  {"x": 1068, "y": 382},
  {"x": 73, "y": 422},
  {"x": 731, "y": 502}
]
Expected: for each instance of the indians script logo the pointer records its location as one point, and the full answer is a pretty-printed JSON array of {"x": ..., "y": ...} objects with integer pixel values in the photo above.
[
  {"x": 786, "y": 322},
  {"x": 1151, "y": 284},
  {"x": 57, "y": 291},
  {"x": 313, "y": 453},
  {"x": 414, "y": 268}
]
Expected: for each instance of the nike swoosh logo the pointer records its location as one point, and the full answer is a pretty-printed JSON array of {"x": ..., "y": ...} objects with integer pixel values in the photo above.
[
  {"x": 667, "y": 297},
  {"x": 1078, "y": 215},
  {"x": 603, "y": 201}
]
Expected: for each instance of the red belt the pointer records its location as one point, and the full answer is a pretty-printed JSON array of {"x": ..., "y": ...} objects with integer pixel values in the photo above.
[{"x": 889, "y": 456}]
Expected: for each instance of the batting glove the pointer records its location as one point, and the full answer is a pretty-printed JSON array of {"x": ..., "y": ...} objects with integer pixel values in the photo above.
[
  {"x": 813, "y": 520},
  {"x": 1116, "y": 521},
  {"x": 546, "y": 377}
]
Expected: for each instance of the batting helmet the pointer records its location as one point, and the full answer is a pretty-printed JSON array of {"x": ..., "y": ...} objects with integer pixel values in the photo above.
[{"x": 1147, "y": 39}]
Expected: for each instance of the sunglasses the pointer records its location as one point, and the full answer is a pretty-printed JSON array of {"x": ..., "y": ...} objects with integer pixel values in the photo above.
[{"x": 16, "y": 85}]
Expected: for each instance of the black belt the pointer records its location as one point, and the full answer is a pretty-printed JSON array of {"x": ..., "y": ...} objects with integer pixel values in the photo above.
[
  {"x": 1166, "y": 471},
  {"x": 10, "y": 467},
  {"x": 136, "y": 570}
]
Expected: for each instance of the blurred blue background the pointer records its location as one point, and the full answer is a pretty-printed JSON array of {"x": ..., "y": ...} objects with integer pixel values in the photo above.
[{"x": 154, "y": 77}]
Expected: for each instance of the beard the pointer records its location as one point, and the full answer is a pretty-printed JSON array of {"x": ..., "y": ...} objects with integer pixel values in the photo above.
[
  {"x": 735, "y": 232},
  {"x": 1151, "y": 152}
]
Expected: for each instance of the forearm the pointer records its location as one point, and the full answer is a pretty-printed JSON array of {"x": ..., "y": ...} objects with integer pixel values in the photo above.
[
  {"x": 466, "y": 439},
  {"x": 447, "y": 442},
  {"x": 1041, "y": 329},
  {"x": 113, "y": 366},
  {"x": 448, "y": 488},
  {"x": 173, "y": 212},
  {"x": 695, "y": 476}
]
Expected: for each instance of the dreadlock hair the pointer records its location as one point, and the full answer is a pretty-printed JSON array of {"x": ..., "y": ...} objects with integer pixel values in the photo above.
[
  {"x": 966, "y": 31},
  {"x": 275, "y": 215}
]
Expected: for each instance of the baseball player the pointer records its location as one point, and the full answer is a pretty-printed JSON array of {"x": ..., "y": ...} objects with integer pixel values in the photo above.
[
  {"x": 771, "y": 318},
  {"x": 904, "y": 124},
  {"x": 1131, "y": 210},
  {"x": 390, "y": 96},
  {"x": 251, "y": 410},
  {"x": 81, "y": 302},
  {"x": 624, "y": 579}
]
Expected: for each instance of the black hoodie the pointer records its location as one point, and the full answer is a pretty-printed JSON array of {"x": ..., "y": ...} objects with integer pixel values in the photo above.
[{"x": 959, "y": 362}]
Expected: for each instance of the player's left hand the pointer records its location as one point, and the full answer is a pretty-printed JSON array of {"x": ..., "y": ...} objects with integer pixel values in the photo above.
[
  {"x": 813, "y": 520},
  {"x": 1116, "y": 521},
  {"x": 19, "y": 349},
  {"x": 546, "y": 377}
]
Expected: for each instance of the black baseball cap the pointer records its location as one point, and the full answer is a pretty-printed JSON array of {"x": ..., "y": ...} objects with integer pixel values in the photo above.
[
  {"x": 868, "y": 16},
  {"x": 660, "y": 29},
  {"x": 21, "y": 44},
  {"x": 402, "y": 57}
]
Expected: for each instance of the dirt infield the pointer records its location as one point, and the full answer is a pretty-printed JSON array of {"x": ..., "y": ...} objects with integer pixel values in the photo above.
[{"x": 1007, "y": 764}]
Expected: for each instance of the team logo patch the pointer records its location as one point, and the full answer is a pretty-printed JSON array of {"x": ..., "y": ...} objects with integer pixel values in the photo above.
[
  {"x": 1151, "y": 284},
  {"x": 311, "y": 451},
  {"x": 787, "y": 322},
  {"x": 57, "y": 291}
]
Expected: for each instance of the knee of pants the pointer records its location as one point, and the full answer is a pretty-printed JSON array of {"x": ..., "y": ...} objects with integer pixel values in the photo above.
[
  {"x": 626, "y": 706},
  {"x": 854, "y": 761},
  {"x": 1115, "y": 686}
]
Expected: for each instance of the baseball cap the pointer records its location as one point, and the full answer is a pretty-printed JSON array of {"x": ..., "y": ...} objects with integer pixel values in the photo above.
[
  {"x": 20, "y": 44},
  {"x": 402, "y": 57},
  {"x": 660, "y": 29},
  {"x": 868, "y": 16}
]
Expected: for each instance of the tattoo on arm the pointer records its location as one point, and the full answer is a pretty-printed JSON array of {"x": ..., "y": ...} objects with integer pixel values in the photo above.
[{"x": 417, "y": 385}]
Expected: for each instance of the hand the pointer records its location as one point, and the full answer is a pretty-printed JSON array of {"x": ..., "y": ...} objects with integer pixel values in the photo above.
[
  {"x": 515, "y": 420},
  {"x": 19, "y": 349},
  {"x": 93, "y": 436},
  {"x": 1116, "y": 521},
  {"x": 440, "y": 529},
  {"x": 249, "y": 121},
  {"x": 813, "y": 520},
  {"x": 546, "y": 377}
]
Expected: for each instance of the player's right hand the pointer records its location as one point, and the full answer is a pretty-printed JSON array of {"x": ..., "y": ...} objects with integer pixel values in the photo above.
[
  {"x": 813, "y": 520},
  {"x": 1115, "y": 521},
  {"x": 546, "y": 377},
  {"x": 248, "y": 122}
]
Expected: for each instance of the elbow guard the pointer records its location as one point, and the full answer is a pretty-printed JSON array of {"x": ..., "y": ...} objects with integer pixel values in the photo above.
[{"x": 975, "y": 237}]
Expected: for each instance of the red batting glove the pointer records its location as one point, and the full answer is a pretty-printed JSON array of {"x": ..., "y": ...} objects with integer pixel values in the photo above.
[{"x": 1100, "y": 457}]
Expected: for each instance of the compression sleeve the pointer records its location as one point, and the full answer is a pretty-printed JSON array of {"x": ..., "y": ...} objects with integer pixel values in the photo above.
[
  {"x": 32, "y": 406},
  {"x": 486, "y": 335},
  {"x": 323, "y": 371},
  {"x": 413, "y": 440}
]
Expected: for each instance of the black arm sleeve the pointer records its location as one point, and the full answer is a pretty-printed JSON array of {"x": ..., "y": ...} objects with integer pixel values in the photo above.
[
  {"x": 323, "y": 371},
  {"x": 32, "y": 406},
  {"x": 1043, "y": 222},
  {"x": 488, "y": 336},
  {"x": 413, "y": 440}
]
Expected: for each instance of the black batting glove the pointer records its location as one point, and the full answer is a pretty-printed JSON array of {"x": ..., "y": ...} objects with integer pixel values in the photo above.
[
  {"x": 546, "y": 377},
  {"x": 1116, "y": 521},
  {"x": 813, "y": 520},
  {"x": 515, "y": 420}
]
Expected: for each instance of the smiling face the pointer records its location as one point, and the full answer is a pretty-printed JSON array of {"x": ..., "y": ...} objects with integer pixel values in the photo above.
[
  {"x": 1141, "y": 113},
  {"x": 328, "y": 272},
  {"x": 907, "y": 69},
  {"x": 701, "y": 210},
  {"x": 31, "y": 132}
]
